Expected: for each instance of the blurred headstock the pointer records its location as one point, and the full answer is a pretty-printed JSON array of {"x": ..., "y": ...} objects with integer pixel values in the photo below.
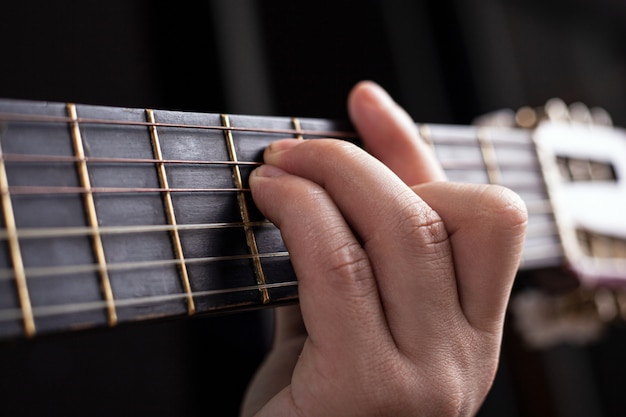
[{"x": 583, "y": 160}]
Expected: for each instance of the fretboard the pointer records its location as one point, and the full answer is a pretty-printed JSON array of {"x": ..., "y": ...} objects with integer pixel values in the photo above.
[{"x": 114, "y": 215}]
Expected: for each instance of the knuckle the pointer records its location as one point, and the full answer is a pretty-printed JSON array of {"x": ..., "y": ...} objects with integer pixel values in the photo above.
[
  {"x": 420, "y": 224},
  {"x": 325, "y": 149},
  {"x": 349, "y": 260}
]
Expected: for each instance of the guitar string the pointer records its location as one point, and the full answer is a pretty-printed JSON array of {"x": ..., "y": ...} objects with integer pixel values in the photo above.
[
  {"x": 56, "y": 232},
  {"x": 34, "y": 158},
  {"x": 52, "y": 310},
  {"x": 60, "y": 190},
  {"x": 14, "y": 117},
  {"x": 536, "y": 230},
  {"x": 46, "y": 271},
  {"x": 536, "y": 252},
  {"x": 535, "y": 207},
  {"x": 340, "y": 134},
  {"x": 518, "y": 186},
  {"x": 539, "y": 233}
]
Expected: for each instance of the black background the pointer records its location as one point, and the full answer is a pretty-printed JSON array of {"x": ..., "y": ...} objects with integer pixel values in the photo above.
[{"x": 445, "y": 61}]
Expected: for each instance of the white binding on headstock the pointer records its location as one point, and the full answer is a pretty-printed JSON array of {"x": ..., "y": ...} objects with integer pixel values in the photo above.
[{"x": 597, "y": 206}]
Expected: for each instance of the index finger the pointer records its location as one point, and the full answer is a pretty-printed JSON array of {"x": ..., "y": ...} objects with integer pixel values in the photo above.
[{"x": 390, "y": 135}]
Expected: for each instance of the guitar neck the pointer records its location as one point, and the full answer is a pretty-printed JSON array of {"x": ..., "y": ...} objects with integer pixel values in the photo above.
[{"x": 113, "y": 215}]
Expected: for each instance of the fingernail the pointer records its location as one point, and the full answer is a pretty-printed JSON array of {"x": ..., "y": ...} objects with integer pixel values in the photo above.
[
  {"x": 268, "y": 171},
  {"x": 283, "y": 144}
]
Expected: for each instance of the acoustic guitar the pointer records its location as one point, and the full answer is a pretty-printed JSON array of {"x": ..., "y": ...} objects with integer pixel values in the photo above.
[{"x": 117, "y": 215}]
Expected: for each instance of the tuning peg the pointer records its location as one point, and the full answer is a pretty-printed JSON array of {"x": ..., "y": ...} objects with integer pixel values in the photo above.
[
  {"x": 526, "y": 117},
  {"x": 601, "y": 117},
  {"x": 580, "y": 113},
  {"x": 557, "y": 110}
]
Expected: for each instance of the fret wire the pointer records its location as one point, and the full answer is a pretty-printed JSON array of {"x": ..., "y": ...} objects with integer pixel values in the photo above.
[
  {"x": 52, "y": 310},
  {"x": 92, "y": 217},
  {"x": 34, "y": 233},
  {"x": 426, "y": 135},
  {"x": 26, "y": 311},
  {"x": 11, "y": 117},
  {"x": 488, "y": 152},
  {"x": 169, "y": 210},
  {"x": 37, "y": 272},
  {"x": 90, "y": 159},
  {"x": 297, "y": 127},
  {"x": 243, "y": 209}
]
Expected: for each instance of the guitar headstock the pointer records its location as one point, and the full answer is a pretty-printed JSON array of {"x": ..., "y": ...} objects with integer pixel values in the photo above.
[
  {"x": 584, "y": 166},
  {"x": 583, "y": 160}
]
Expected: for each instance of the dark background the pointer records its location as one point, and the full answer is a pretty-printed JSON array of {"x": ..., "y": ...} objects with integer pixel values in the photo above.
[{"x": 445, "y": 61}]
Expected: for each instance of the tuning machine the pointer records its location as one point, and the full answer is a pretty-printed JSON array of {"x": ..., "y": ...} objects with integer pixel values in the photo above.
[{"x": 556, "y": 110}]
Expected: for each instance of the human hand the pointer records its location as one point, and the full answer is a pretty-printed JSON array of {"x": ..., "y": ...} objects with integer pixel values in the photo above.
[{"x": 403, "y": 278}]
